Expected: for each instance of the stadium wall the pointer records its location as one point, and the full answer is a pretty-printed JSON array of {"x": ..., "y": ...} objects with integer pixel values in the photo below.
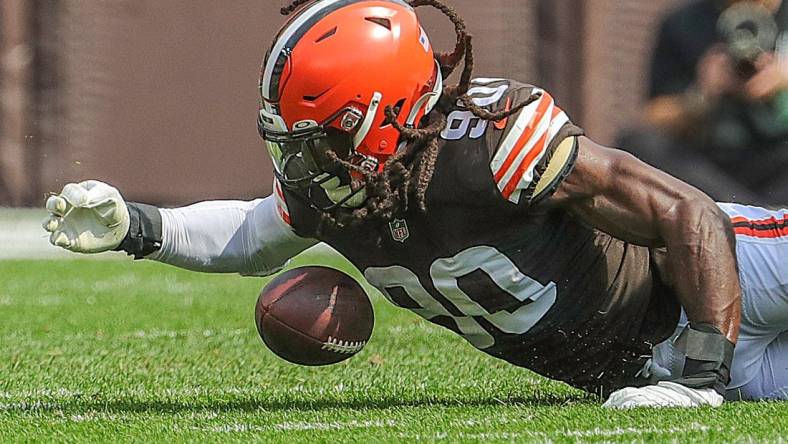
[{"x": 159, "y": 98}]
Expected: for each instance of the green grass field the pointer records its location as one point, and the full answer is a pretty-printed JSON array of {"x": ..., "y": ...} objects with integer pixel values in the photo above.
[{"x": 97, "y": 351}]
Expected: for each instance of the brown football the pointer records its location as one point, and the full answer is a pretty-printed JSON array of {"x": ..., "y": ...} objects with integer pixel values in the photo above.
[{"x": 314, "y": 316}]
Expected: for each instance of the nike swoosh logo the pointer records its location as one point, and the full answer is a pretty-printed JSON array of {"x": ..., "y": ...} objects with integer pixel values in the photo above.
[{"x": 501, "y": 124}]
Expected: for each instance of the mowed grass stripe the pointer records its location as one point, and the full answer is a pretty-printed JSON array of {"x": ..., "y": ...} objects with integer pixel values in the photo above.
[{"x": 97, "y": 351}]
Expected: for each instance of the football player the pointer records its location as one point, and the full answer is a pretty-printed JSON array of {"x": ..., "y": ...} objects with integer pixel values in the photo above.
[{"x": 482, "y": 208}]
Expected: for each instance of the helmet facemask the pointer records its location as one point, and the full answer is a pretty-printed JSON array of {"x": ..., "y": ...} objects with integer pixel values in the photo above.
[{"x": 308, "y": 157}]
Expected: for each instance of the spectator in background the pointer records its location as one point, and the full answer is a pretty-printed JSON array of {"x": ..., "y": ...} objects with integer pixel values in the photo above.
[{"x": 714, "y": 119}]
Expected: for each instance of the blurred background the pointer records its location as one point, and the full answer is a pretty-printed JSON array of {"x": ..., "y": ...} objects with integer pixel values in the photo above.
[{"x": 159, "y": 97}]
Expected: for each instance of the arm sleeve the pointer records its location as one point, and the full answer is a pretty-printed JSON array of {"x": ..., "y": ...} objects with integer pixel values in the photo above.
[{"x": 249, "y": 238}]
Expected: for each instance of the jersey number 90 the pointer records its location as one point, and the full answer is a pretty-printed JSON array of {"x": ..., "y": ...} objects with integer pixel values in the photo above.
[
  {"x": 461, "y": 123},
  {"x": 537, "y": 299}
]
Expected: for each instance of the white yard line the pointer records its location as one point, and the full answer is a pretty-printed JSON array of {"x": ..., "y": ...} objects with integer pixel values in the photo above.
[
  {"x": 595, "y": 433},
  {"x": 300, "y": 426},
  {"x": 143, "y": 335},
  {"x": 60, "y": 394},
  {"x": 369, "y": 424},
  {"x": 547, "y": 436},
  {"x": 27, "y": 406}
]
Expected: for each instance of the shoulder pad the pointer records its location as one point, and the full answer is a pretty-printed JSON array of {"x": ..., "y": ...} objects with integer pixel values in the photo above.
[{"x": 527, "y": 145}]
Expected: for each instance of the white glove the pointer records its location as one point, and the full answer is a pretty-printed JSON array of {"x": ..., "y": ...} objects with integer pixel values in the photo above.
[
  {"x": 88, "y": 217},
  {"x": 664, "y": 394}
]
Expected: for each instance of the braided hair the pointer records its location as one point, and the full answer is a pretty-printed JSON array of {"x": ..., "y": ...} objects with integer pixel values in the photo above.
[{"x": 406, "y": 176}]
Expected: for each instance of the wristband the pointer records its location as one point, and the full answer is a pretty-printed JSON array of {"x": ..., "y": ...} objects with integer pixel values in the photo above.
[
  {"x": 145, "y": 231},
  {"x": 709, "y": 355}
]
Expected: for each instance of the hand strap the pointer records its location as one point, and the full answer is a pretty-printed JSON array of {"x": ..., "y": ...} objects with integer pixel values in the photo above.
[
  {"x": 145, "y": 232},
  {"x": 709, "y": 355}
]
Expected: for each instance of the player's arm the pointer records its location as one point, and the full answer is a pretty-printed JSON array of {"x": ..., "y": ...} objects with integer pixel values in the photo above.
[
  {"x": 616, "y": 193},
  {"x": 249, "y": 238}
]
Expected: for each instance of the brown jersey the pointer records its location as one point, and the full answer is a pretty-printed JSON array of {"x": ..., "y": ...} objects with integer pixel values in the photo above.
[{"x": 530, "y": 285}]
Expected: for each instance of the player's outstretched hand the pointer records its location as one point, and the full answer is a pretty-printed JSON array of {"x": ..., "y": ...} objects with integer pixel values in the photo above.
[
  {"x": 664, "y": 394},
  {"x": 87, "y": 217}
]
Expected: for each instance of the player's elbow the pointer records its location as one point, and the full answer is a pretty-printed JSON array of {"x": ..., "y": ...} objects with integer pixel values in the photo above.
[{"x": 698, "y": 213}]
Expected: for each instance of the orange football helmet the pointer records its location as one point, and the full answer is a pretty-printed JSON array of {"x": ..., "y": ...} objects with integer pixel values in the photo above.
[{"x": 325, "y": 84}]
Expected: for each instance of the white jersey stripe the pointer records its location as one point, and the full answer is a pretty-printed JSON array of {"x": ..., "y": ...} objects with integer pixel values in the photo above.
[
  {"x": 528, "y": 177},
  {"x": 519, "y": 126},
  {"x": 558, "y": 122},
  {"x": 525, "y": 146},
  {"x": 542, "y": 127},
  {"x": 514, "y": 197}
]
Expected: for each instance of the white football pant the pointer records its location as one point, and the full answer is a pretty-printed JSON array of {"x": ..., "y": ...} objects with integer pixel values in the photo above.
[{"x": 760, "y": 362}]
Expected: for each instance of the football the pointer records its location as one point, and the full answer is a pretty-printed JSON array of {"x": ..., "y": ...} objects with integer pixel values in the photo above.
[{"x": 314, "y": 316}]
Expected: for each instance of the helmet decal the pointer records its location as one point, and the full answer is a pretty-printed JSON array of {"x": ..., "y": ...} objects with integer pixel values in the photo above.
[{"x": 424, "y": 40}]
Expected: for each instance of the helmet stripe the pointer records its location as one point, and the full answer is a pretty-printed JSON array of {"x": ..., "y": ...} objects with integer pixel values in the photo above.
[
  {"x": 289, "y": 37},
  {"x": 287, "y": 40}
]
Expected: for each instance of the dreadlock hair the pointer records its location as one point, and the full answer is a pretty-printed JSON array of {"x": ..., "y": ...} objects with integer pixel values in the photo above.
[
  {"x": 407, "y": 174},
  {"x": 287, "y": 10}
]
